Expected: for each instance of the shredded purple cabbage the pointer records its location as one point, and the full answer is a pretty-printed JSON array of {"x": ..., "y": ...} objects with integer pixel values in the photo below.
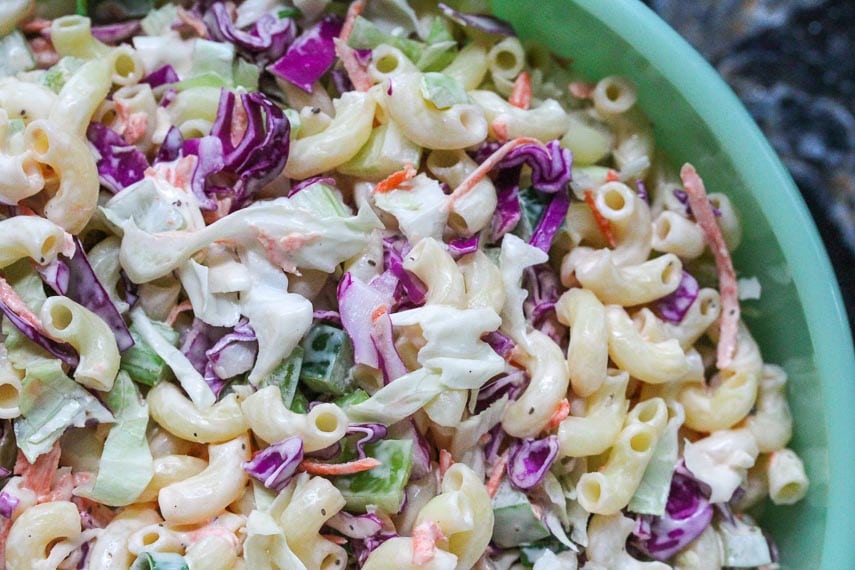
[
  {"x": 642, "y": 191},
  {"x": 303, "y": 184},
  {"x": 116, "y": 33},
  {"x": 369, "y": 433},
  {"x": 356, "y": 526},
  {"x": 683, "y": 198},
  {"x": 85, "y": 288},
  {"x": 4, "y": 472},
  {"x": 265, "y": 41},
  {"x": 55, "y": 275},
  {"x": 508, "y": 211},
  {"x": 310, "y": 56},
  {"x": 8, "y": 504},
  {"x": 412, "y": 290},
  {"x": 173, "y": 143},
  {"x": 239, "y": 169},
  {"x": 482, "y": 22},
  {"x": 530, "y": 461},
  {"x": 500, "y": 342},
  {"x": 119, "y": 164},
  {"x": 241, "y": 333},
  {"x": 363, "y": 548},
  {"x": 543, "y": 284},
  {"x": 328, "y": 316},
  {"x": 204, "y": 345},
  {"x": 461, "y": 246},
  {"x": 341, "y": 81},
  {"x": 507, "y": 384},
  {"x": 674, "y": 306},
  {"x": 276, "y": 465},
  {"x": 550, "y": 221},
  {"x": 550, "y": 167},
  {"x": 388, "y": 359},
  {"x": 356, "y": 303},
  {"x": 61, "y": 350},
  {"x": 163, "y": 75},
  {"x": 687, "y": 515}
]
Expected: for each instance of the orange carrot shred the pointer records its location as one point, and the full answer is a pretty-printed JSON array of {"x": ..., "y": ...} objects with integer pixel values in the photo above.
[
  {"x": 425, "y": 535},
  {"x": 521, "y": 93},
  {"x": 485, "y": 167},
  {"x": 581, "y": 89},
  {"x": 561, "y": 412},
  {"x": 500, "y": 129},
  {"x": 445, "y": 461},
  {"x": 612, "y": 176},
  {"x": 601, "y": 221},
  {"x": 177, "y": 310},
  {"x": 497, "y": 474},
  {"x": 378, "y": 312},
  {"x": 317, "y": 468},
  {"x": 395, "y": 179},
  {"x": 353, "y": 11},
  {"x": 730, "y": 311}
]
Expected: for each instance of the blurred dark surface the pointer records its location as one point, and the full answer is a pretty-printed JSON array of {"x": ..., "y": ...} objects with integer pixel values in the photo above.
[{"x": 792, "y": 62}]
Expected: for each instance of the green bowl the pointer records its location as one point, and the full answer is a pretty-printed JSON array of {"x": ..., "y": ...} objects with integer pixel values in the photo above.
[{"x": 799, "y": 321}]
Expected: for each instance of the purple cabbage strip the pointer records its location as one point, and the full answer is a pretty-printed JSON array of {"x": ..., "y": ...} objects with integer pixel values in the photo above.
[
  {"x": 674, "y": 306},
  {"x": 85, "y": 288},
  {"x": 242, "y": 332},
  {"x": 507, "y": 384},
  {"x": 341, "y": 81},
  {"x": 257, "y": 158},
  {"x": 4, "y": 472},
  {"x": 310, "y": 56},
  {"x": 531, "y": 460},
  {"x": 497, "y": 437},
  {"x": 550, "y": 221},
  {"x": 500, "y": 342},
  {"x": 370, "y": 433},
  {"x": 119, "y": 164},
  {"x": 116, "y": 33},
  {"x": 356, "y": 302},
  {"x": 550, "y": 167},
  {"x": 8, "y": 504},
  {"x": 61, "y": 350},
  {"x": 172, "y": 145},
  {"x": 265, "y": 41},
  {"x": 508, "y": 211},
  {"x": 394, "y": 250},
  {"x": 389, "y": 360},
  {"x": 687, "y": 515},
  {"x": 482, "y": 22},
  {"x": 55, "y": 275},
  {"x": 302, "y": 185},
  {"x": 683, "y": 198},
  {"x": 356, "y": 526},
  {"x": 163, "y": 75},
  {"x": 363, "y": 548},
  {"x": 539, "y": 307},
  {"x": 461, "y": 246},
  {"x": 275, "y": 466},
  {"x": 642, "y": 191}
]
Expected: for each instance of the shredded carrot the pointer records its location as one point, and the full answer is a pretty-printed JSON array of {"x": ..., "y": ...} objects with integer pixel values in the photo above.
[
  {"x": 500, "y": 129},
  {"x": 703, "y": 212},
  {"x": 38, "y": 476},
  {"x": 317, "y": 468},
  {"x": 521, "y": 93},
  {"x": 558, "y": 416},
  {"x": 13, "y": 301},
  {"x": 497, "y": 474},
  {"x": 353, "y": 11},
  {"x": 378, "y": 312},
  {"x": 581, "y": 89},
  {"x": 395, "y": 179},
  {"x": 601, "y": 221},
  {"x": 335, "y": 539},
  {"x": 36, "y": 26},
  {"x": 485, "y": 167},
  {"x": 612, "y": 176},
  {"x": 445, "y": 461},
  {"x": 43, "y": 52},
  {"x": 425, "y": 536},
  {"x": 357, "y": 74},
  {"x": 177, "y": 310},
  {"x": 24, "y": 210},
  {"x": 193, "y": 21},
  {"x": 224, "y": 206}
]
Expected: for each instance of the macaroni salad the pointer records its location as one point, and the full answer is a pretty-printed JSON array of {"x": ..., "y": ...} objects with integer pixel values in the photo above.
[{"x": 316, "y": 285}]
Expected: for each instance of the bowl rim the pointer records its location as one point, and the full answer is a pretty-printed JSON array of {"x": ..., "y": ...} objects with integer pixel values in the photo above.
[{"x": 816, "y": 284}]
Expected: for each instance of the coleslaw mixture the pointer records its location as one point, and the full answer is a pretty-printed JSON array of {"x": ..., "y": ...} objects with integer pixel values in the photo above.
[{"x": 308, "y": 284}]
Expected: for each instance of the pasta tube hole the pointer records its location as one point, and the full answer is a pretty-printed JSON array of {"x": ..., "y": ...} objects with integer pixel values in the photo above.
[
  {"x": 326, "y": 422},
  {"x": 614, "y": 95},
  {"x": 641, "y": 442},
  {"x": 453, "y": 481},
  {"x": 39, "y": 141},
  {"x": 10, "y": 395},
  {"x": 708, "y": 306},
  {"x": 48, "y": 245},
  {"x": 388, "y": 63},
  {"x": 647, "y": 411},
  {"x": 72, "y": 22},
  {"x": 591, "y": 490},
  {"x": 790, "y": 492},
  {"x": 671, "y": 273},
  {"x": 663, "y": 228},
  {"x": 506, "y": 60},
  {"x": 332, "y": 561},
  {"x": 124, "y": 65},
  {"x": 60, "y": 317}
]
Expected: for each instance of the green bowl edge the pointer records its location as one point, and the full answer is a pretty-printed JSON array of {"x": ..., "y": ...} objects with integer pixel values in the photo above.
[{"x": 814, "y": 279}]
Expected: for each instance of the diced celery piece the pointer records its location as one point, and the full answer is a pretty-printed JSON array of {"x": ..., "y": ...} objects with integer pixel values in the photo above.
[
  {"x": 159, "y": 561},
  {"x": 159, "y": 22},
  {"x": 286, "y": 375},
  {"x": 323, "y": 200},
  {"x": 246, "y": 74},
  {"x": 55, "y": 77},
  {"x": 743, "y": 544},
  {"x": 15, "y": 55},
  {"x": 366, "y": 35},
  {"x": 386, "y": 151},
  {"x": 327, "y": 358},
  {"x": 532, "y": 204},
  {"x": 442, "y": 90},
  {"x": 384, "y": 485},
  {"x": 356, "y": 397},
  {"x": 516, "y": 522},
  {"x": 213, "y": 57},
  {"x": 142, "y": 363}
]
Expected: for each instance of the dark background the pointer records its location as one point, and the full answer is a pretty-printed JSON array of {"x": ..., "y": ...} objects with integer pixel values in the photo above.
[{"x": 792, "y": 62}]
